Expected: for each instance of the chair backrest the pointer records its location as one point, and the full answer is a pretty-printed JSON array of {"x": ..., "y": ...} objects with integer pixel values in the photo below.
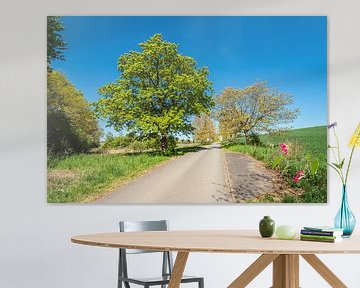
[{"x": 134, "y": 226}]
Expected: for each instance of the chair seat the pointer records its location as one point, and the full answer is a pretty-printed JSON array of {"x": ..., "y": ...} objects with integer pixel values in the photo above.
[{"x": 158, "y": 280}]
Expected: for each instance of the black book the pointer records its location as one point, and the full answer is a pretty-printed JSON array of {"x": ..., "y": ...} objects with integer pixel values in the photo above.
[{"x": 321, "y": 233}]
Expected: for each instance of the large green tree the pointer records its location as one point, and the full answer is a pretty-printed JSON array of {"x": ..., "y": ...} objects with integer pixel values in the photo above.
[
  {"x": 55, "y": 41},
  {"x": 254, "y": 109},
  {"x": 157, "y": 93},
  {"x": 72, "y": 124}
]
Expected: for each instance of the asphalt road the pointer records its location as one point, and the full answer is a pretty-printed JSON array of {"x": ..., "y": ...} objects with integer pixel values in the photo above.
[
  {"x": 249, "y": 178},
  {"x": 196, "y": 177}
]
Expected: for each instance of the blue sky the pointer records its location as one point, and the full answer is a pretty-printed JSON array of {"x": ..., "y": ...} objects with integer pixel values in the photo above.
[{"x": 288, "y": 52}]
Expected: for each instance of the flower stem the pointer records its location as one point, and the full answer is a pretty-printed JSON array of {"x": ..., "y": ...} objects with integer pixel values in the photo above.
[
  {"x": 333, "y": 152},
  {"x": 338, "y": 146},
  {"x": 348, "y": 167},
  {"x": 337, "y": 171},
  {"x": 339, "y": 155}
]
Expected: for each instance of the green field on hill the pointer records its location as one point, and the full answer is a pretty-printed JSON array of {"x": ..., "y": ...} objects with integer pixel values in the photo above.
[
  {"x": 313, "y": 140},
  {"x": 305, "y": 145}
]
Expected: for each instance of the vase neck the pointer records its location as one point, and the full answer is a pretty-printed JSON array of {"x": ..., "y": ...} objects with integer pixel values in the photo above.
[{"x": 344, "y": 194}]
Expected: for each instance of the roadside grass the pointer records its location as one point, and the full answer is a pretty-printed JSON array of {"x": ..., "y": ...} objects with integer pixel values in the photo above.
[
  {"x": 82, "y": 177},
  {"x": 306, "y": 142}
]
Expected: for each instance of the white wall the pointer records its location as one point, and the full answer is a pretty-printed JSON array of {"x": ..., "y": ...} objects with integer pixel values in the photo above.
[{"x": 35, "y": 248}]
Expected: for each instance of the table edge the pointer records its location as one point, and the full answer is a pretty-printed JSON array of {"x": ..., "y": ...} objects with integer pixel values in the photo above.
[{"x": 203, "y": 250}]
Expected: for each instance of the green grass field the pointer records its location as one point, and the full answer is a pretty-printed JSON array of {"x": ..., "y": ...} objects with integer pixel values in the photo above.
[
  {"x": 304, "y": 143},
  {"x": 313, "y": 140},
  {"x": 80, "y": 178}
]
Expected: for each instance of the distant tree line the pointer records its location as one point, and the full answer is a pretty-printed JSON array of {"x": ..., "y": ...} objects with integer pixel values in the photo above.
[{"x": 132, "y": 143}]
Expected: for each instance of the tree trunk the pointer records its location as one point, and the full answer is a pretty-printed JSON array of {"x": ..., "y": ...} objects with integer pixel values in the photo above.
[
  {"x": 246, "y": 134},
  {"x": 164, "y": 143}
]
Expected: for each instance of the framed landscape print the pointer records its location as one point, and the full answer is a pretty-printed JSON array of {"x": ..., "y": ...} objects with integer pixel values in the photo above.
[{"x": 187, "y": 110}]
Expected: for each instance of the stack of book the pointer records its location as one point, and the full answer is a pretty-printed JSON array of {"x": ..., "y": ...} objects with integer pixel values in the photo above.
[{"x": 321, "y": 234}]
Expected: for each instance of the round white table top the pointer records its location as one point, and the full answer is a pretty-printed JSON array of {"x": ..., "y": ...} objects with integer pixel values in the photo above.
[{"x": 216, "y": 241}]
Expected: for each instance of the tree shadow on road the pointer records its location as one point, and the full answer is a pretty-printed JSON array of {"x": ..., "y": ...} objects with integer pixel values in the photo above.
[
  {"x": 184, "y": 150},
  {"x": 223, "y": 194}
]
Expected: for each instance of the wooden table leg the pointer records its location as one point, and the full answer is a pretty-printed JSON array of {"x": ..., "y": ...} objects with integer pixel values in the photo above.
[
  {"x": 324, "y": 271},
  {"x": 293, "y": 262},
  {"x": 178, "y": 270},
  {"x": 253, "y": 270},
  {"x": 286, "y": 271}
]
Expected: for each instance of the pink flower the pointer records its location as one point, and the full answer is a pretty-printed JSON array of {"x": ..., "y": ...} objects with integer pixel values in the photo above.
[
  {"x": 300, "y": 174},
  {"x": 284, "y": 148}
]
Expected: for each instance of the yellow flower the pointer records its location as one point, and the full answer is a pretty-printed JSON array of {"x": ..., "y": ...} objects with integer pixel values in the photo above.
[{"x": 355, "y": 138}]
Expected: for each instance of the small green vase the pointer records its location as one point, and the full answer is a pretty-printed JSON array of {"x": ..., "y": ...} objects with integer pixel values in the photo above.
[{"x": 267, "y": 227}]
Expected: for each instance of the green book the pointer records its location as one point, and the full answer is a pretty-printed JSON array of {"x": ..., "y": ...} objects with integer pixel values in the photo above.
[
  {"x": 319, "y": 236},
  {"x": 325, "y": 240}
]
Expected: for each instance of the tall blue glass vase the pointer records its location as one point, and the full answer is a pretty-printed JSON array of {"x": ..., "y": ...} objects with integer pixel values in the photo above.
[{"x": 345, "y": 219}]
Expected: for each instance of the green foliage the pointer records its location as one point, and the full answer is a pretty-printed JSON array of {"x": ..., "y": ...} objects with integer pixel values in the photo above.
[
  {"x": 277, "y": 160},
  {"x": 254, "y": 139},
  {"x": 314, "y": 166},
  {"x": 157, "y": 93},
  {"x": 81, "y": 177},
  {"x": 116, "y": 142},
  {"x": 61, "y": 135},
  {"x": 131, "y": 143},
  {"x": 253, "y": 110},
  {"x": 142, "y": 145},
  {"x": 55, "y": 41},
  {"x": 289, "y": 199},
  {"x": 72, "y": 125},
  {"x": 171, "y": 146},
  {"x": 311, "y": 152}
]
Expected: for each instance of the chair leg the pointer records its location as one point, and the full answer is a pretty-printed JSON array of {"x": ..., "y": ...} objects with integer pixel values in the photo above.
[{"x": 201, "y": 283}]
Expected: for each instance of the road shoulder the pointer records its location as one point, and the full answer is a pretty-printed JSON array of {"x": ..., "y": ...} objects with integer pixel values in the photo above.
[{"x": 251, "y": 181}]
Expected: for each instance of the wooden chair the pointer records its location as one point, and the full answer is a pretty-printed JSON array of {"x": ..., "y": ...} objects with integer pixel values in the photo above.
[{"x": 167, "y": 262}]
